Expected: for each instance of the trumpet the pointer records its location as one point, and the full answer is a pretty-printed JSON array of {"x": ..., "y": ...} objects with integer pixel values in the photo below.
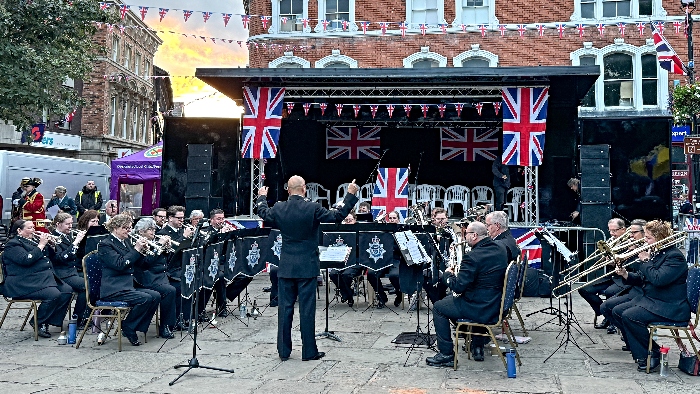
[
  {"x": 170, "y": 244},
  {"x": 152, "y": 248},
  {"x": 53, "y": 239},
  {"x": 653, "y": 248}
]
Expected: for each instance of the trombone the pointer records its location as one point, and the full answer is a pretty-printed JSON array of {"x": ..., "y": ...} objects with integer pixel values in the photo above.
[{"x": 672, "y": 240}]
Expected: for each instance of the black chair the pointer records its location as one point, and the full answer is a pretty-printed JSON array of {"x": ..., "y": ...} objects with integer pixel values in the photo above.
[{"x": 31, "y": 308}]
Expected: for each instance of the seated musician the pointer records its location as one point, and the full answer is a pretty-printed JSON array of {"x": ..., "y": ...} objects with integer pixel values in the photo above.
[
  {"x": 432, "y": 285},
  {"x": 497, "y": 227},
  {"x": 374, "y": 277},
  {"x": 606, "y": 286},
  {"x": 364, "y": 207},
  {"x": 89, "y": 218},
  {"x": 343, "y": 278},
  {"x": 150, "y": 273},
  {"x": 174, "y": 228},
  {"x": 196, "y": 216},
  {"x": 118, "y": 258},
  {"x": 479, "y": 284},
  {"x": 65, "y": 261},
  {"x": 662, "y": 275},
  {"x": 628, "y": 292},
  {"x": 29, "y": 276},
  {"x": 159, "y": 216}
]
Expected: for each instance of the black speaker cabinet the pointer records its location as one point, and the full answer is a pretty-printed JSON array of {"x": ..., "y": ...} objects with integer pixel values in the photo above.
[
  {"x": 595, "y": 215},
  {"x": 595, "y": 152},
  {"x": 204, "y": 150},
  {"x": 198, "y": 189}
]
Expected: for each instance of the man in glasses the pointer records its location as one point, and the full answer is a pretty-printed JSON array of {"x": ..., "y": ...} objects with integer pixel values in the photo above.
[
  {"x": 159, "y": 217},
  {"x": 479, "y": 284}
]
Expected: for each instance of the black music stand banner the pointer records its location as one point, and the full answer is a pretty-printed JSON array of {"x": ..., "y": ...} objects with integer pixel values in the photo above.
[
  {"x": 191, "y": 271},
  {"x": 276, "y": 248},
  {"x": 343, "y": 239},
  {"x": 213, "y": 256},
  {"x": 231, "y": 260},
  {"x": 375, "y": 249}
]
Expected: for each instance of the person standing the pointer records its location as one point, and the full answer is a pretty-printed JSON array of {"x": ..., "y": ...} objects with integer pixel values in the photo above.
[
  {"x": 501, "y": 183},
  {"x": 64, "y": 203},
  {"x": 16, "y": 195},
  {"x": 88, "y": 198},
  {"x": 32, "y": 205},
  {"x": 298, "y": 221}
]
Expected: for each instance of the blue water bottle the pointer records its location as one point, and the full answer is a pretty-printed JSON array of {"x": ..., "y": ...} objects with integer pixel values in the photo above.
[
  {"x": 510, "y": 362},
  {"x": 72, "y": 329}
]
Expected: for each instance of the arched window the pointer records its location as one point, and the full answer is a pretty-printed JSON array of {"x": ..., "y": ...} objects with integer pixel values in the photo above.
[
  {"x": 475, "y": 62},
  {"x": 336, "y": 60},
  {"x": 475, "y": 57},
  {"x": 424, "y": 59},
  {"x": 427, "y": 63},
  {"x": 289, "y": 61}
]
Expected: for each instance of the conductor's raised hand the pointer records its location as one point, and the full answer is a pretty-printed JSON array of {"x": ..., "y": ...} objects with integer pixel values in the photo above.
[
  {"x": 353, "y": 188},
  {"x": 263, "y": 191}
]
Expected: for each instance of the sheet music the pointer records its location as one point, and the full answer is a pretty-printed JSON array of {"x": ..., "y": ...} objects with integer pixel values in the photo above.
[
  {"x": 336, "y": 253},
  {"x": 408, "y": 243}
]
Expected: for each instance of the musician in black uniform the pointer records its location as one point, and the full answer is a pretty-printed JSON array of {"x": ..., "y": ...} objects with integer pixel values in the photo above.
[
  {"x": 298, "y": 221},
  {"x": 150, "y": 273},
  {"x": 159, "y": 216},
  {"x": 497, "y": 227},
  {"x": 343, "y": 278},
  {"x": 64, "y": 261},
  {"x": 480, "y": 285},
  {"x": 29, "y": 275},
  {"x": 434, "y": 288},
  {"x": 605, "y": 286},
  {"x": 628, "y": 291},
  {"x": 662, "y": 276},
  {"x": 118, "y": 258},
  {"x": 174, "y": 228},
  {"x": 392, "y": 272},
  {"x": 501, "y": 183}
]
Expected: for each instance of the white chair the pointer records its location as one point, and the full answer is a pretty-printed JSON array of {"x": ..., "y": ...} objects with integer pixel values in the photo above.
[
  {"x": 425, "y": 193},
  {"x": 457, "y": 195},
  {"x": 439, "y": 196},
  {"x": 482, "y": 194},
  {"x": 517, "y": 195},
  {"x": 365, "y": 194},
  {"x": 314, "y": 190},
  {"x": 411, "y": 194},
  {"x": 341, "y": 192}
]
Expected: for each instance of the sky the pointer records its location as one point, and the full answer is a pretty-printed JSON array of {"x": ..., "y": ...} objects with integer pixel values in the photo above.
[{"x": 180, "y": 56}]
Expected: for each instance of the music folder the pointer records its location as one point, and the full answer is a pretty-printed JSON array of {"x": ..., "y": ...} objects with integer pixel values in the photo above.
[{"x": 334, "y": 256}]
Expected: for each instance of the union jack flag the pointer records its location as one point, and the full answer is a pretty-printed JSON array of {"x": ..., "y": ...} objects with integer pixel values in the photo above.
[
  {"x": 353, "y": 142},
  {"x": 143, "y": 11},
  {"x": 524, "y": 124},
  {"x": 668, "y": 59},
  {"x": 187, "y": 14},
  {"x": 470, "y": 144},
  {"x": 262, "y": 122},
  {"x": 104, "y": 6},
  {"x": 227, "y": 17},
  {"x": 162, "y": 12},
  {"x": 123, "y": 9},
  {"x": 391, "y": 192},
  {"x": 530, "y": 246}
]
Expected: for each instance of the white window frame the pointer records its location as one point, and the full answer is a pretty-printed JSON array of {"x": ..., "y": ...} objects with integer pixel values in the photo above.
[
  {"x": 352, "y": 26},
  {"x": 424, "y": 54},
  {"x": 475, "y": 53},
  {"x": 116, "y": 48},
  {"x": 335, "y": 57},
  {"x": 146, "y": 69},
  {"x": 657, "y": 11},
  {"x": 144, "y": 126},
  {"x": 134, "y": 135},
  {"x": 289, "y": 58},
  {"x": 636, "y": 52},
  {"x": 416, "y": 25},
  {"x": 137, "y": 62},
  {"x": 128, "y": 53},
  {"x": 492, "y": 22},
  {"x": 125, "y": 121},
  {"x": 113, "y": 116},
  {"x": 274, "y": 28}
]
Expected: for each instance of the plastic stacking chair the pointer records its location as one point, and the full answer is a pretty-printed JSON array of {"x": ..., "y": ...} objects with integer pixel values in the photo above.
[
  {"x": 314, "y": 190},
  {"x": 464, "y": 325},
  {"x": 341, "y": 192},
  {"x": 92, "y": 269},
  {"x": 688, "y": 328},
  {"x": 425, "y": 193},
  {"x": 439, "y": 196},
  {"x": 482, "y": 194},
  {"x": 31, "y": 307},
  {"x": 457, "y": 195},
  {"x": 517, "y": 194}
]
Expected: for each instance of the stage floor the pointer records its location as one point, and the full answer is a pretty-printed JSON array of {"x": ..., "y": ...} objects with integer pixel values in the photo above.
[{"x": 364, "y": 362}]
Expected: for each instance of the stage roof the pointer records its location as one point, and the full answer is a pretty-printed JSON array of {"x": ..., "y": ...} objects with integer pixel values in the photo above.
[{"x": 567, "y": 83}]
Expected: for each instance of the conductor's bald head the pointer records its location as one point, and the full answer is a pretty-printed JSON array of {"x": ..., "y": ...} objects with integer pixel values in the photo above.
[{"x": 296, "y": 185}]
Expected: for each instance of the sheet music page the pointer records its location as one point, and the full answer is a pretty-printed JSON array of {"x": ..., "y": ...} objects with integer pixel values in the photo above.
[
  {"x": 414, "y": 247},
  {"x": 336, "y": 253}
]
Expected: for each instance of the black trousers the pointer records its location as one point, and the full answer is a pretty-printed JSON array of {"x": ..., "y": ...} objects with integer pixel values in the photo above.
[
  {"x": 183, "y": 306},
  {"x": 343, "y": 280},
  {"x": 274, "y": 286},
  {"x": 54, "y": 304},
  {"x": 374, "y": 279},
  {"x": 289, "y": 290},
  {"x": 499, "y": 197},
  {"x": 591, "y": 293},
  {"x": 77, "y": 283},
  {"x": 607, "y": 307},
  {"x": 446, "y": 310},
  {"x": 168, "y": 298},
  {"x": 143, "y": 303},
  {"x": 633, "y": 323}
]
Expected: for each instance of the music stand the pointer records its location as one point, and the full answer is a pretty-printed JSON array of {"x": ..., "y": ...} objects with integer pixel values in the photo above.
[{"x": 332, "y": 257}]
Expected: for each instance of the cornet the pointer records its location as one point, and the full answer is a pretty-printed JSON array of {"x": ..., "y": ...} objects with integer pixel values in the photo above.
[{"x": 53, "y": 239}]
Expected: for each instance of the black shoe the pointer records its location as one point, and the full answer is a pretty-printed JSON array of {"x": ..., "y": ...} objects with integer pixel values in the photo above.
[
  {"x": 351, "y": 302},
  {"x": 604, "y": 324},
  {"x": 274, "y": 302},
  {"x": 612, "y": 329},
  {"x": 267, "y": 290},
  {"x": 381, "y": 304},
  {"x": 318, "y": 356},
  {"x": 398, "y": 299},
  {"x": 343, "y": 300},
  {"x": 132, "y": 337},
  {"x": 625, "y": 348},
  {"x": 441, "y": 360},
  {"x": 478, "y": 353},
  {"x": 43, "y": 331},
  {"x": 223, "y": 312},
  {"x": 166, "y": 333},
  {"x": 202, "y": 318},
  {"x": 642, "y": 364},
  {"x": 284, "y": 358}
]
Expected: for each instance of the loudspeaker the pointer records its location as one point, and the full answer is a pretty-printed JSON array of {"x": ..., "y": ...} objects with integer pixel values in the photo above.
[
  {"x": 199, "y": 163},
  {"x": 199, "y": 159},
  {"x": 595, "y": 152},
  {"x": 595, "y": 173},
  {"x": 595, "y": 215},
  {"x": 197, "y": 189},
  {"x": 204, "y": 150}
]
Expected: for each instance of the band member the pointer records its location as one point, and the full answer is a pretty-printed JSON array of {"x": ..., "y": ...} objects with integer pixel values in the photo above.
[
  {"x": 196, "y": 216},
  {"x": 298, "y": 221},
  {"x": 149, "y": 273},
  {"x": 159, "y": 216},
  {"x": 434, "y": 288},
  {"x": 28, "y": 275},
  {"x": 364, "y": 207},
  {"x": 501, "y": 183},
  {"x": 480, "y": 285},
  {"x": 662, "y": 274},
  {"x": 111, "y": 209},
  {"x": 32, "y": 205},
  {"x": 628, "y": 292},
  {"x": 175, "y": 226},
  {"x": 605, "y": 286},
  {"x": 374, "y": 277},
  {"x": 575, "y": 184},
  {"x": 118, "y": 258},
  {"x": 65, "y": 261},
  {"x": 64, "y": 203},
  {"x": 497, "y": 227},
  {"x": 343, "y": 278}
]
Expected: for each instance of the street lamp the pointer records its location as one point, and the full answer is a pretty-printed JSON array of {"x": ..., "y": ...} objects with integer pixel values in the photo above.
[{"x": 688, "y": 6}]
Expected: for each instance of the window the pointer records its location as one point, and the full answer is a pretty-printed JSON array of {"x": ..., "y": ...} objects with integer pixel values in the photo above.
[
  {"x": 475, "y": 12},
  {"x": 589, "y": 98},
  {"x": 336, "y": 60},
  {"x": 137, "y": 63},
  {"x": 289, "y": 61},
  {"x": 599, "y": 9},
  {"x": 588, "y": 9},
  {"x": 425, "y": 59},
  {"x": 616, "y": 8},
  {"x": 115, "y": 48},
  {"x": 125, "y": 116},
  {"x": 147, "y": 69},
  {"x": 289, "y": 65},
  {"x": 336, "y": 12},
  {"x": 475, "y": 62},
  {"x": 144, "y": 126},
  {"x": 337, "y": 65},
  {"x": 292, "y": 10},
  {"x": 127, "y": 57},
  {"x": 425, "y": 64},
  {"x": 649, "y": 80},
  {"x": 113, "y": 116},
  {"x": 134, "y": 122},
  {"x": 476, "y": 57},
  {"x": 424, "y": 11},
  {"x": 618, "y": 85}
]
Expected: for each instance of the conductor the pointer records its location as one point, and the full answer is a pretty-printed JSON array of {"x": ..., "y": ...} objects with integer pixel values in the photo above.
[{"x": 298, "y": 221}]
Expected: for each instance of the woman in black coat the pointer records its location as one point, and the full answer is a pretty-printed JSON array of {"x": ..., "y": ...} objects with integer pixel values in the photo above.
[
  {"x": 65, "y": 261},
  {"x": 662, "y": 276},
  {"x": 29, "y": 275}
]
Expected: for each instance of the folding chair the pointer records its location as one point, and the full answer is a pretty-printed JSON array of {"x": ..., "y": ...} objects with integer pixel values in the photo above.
[
  {"x": 522, "y": 273},
  {"x": 92, "y": 270},
  {"x": 509, "y": 284},
  {"x": 33, "y": 304},
  {"x": 688, "y": 328}
]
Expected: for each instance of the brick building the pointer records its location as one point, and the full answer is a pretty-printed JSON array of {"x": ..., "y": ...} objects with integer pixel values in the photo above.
[{"x": 631, "y": 83}]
